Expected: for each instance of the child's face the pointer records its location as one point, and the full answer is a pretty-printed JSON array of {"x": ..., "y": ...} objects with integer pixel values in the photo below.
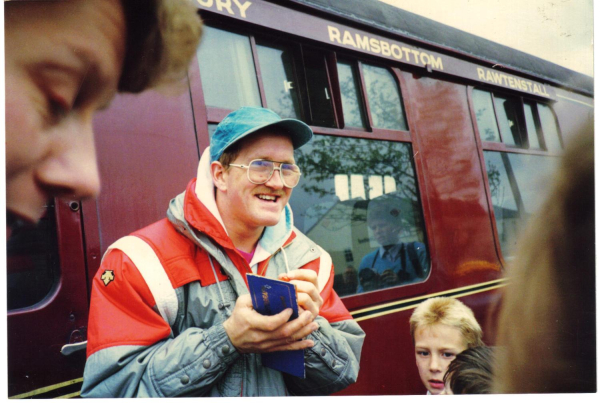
[{"x": 435, "y": 347}]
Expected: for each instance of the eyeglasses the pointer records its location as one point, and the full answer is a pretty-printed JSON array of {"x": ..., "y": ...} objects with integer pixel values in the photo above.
[{"x": 260, "y": 171}]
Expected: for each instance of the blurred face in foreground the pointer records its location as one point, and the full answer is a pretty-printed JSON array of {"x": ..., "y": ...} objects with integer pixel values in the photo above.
[
  {"x": 435, "y": 347},
  {"x": 63, "y": 63}
]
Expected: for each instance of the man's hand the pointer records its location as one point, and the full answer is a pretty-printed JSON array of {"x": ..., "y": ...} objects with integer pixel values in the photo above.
[
  {"x": 309, "y": 297},
  {"x": 251, "y": 332},
  {"x": 389, "y": 277}
]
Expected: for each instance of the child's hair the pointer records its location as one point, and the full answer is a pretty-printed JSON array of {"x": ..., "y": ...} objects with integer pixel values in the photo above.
[
  {"x": 447, "y": 311},
  {"x": 471, "y": 371}
]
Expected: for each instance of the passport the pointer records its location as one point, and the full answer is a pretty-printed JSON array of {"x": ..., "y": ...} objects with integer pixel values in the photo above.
[{"x": 269, "y": 297}]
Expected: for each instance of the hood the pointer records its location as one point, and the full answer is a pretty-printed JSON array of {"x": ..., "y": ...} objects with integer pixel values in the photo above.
[{"x": 199, "y": 210}]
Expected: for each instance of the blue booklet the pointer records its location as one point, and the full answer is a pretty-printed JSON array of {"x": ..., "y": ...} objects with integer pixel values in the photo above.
[{"x": 269, "y": 297}]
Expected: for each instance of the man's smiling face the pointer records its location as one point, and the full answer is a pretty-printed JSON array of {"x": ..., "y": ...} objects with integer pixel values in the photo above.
[{"x": 259, "y": 205}]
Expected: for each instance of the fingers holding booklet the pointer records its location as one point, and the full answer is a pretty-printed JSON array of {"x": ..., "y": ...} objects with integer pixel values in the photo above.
[{"x": 251, "y": 332}]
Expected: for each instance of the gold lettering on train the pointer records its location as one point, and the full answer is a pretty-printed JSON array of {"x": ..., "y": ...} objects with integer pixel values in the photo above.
[
  {"x": 228, "y": 5},
  {"x": 384, "y": 48},
  {"x": 495, "y": 77}
]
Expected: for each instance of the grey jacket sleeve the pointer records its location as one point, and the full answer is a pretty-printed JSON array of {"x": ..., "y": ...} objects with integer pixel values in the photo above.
[
  {"x": 187, "y": 364},
  {"x": 333, "y": 363}
]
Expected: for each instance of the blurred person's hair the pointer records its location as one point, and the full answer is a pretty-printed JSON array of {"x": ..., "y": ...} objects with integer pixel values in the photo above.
[
  {"x": 547, "y": 316},
  {"x": 471, "y": 371},
  {"x": 162, "y": 38},
  {"x": 447, "y": 311}
]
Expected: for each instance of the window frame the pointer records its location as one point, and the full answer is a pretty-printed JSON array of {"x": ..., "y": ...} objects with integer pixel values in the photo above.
[{"x": 505, "y": 148}]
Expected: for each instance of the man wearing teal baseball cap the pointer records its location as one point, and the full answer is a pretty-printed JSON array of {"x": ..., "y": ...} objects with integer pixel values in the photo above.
[{"x": 171, "y": 314}]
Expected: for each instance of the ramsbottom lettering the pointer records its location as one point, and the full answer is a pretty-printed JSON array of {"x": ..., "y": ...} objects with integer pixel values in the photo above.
[{"x": 384, "y": 48}]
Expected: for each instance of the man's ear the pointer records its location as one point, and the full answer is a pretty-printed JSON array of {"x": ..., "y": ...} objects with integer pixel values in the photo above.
[{"x": 219, "y": 175}]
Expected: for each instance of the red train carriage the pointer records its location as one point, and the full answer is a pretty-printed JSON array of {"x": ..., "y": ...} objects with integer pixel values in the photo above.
[{"x": 461, "y": 132}]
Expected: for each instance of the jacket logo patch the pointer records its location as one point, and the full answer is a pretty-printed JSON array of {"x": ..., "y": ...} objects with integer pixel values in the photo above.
[{"x": 107, "y": 276}]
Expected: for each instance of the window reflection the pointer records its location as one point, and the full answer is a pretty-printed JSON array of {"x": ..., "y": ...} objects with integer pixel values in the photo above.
[
  {"x": 532, "y": 136},
  {"x": 551, "y": 135},
  {"x": 486, "y": 119},
  {"x": 345, "y": 183},
  {"x": 384, "y": 98},
  {"x": 351, "y": 100},
  {"x": 227, "y": 70},
  {"x": 279, "y": 80},
  {"x": 518, "y": 185}
]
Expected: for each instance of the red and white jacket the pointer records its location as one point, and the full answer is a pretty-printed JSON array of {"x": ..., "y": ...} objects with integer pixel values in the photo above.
[{"x": 161, "y": 295}]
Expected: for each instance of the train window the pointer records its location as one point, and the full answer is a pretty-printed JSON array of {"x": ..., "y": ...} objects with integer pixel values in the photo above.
[
  {"x": 484, "y": 112},
  {"x": 32, "y": 263},
  {"x": 279, "y": 80},
  {"x": 359, "y": 200},
  {"x": 550, "y": 129},
  {"x": 384, "y": 98},
  {"x": 354, "y": 114},
  {"x": 532, "y": 127},
  {"x": 227, "y": 70},
  {"x": 518, "y": 184},
  {"x": 319, "y": 93},
  {"x": 508, "y": 110}
]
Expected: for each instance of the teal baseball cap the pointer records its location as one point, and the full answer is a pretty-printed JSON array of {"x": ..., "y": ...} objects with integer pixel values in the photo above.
[{"x": 249, "y": 119}]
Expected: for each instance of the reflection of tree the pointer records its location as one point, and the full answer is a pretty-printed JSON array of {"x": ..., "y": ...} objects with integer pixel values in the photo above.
[
  {"x": 489, "y": 134},
  {"x": 328, "y": 156},
  {"x": 494, "y": 180},
  {"x": 352, "y": 109},
  {"x": 384, "y": 99}
]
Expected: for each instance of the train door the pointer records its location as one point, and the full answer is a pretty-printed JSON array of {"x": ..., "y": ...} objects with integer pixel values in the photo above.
[{"x": 47, "y": 302}]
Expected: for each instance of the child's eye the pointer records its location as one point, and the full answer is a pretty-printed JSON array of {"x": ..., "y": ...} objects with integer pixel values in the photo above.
[
  {"x": 448, "y": 355},
  {"x": 423, "y": 353}
]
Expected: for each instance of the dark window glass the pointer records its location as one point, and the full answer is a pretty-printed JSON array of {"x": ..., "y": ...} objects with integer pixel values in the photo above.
[
  {"x": 32, "y": 262},
  {"x": 319, "y": 96},
  {"x": 509, "y": 111},
  {"x": 352, "y": 105},
  {"x": 486, "y": 119},
  {"x": 227, "y": 70},
  {"x": 532, "y": 132},
  {"x": 279, "y": 80},
  {"x": 359, "y": 200},
  {"x": 551, "y": 134},
  {"x": 518, "y": 184},
  {"x": 384, "y": 98}
]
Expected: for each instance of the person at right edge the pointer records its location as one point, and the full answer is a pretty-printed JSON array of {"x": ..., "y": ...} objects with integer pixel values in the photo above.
[{"x": 195, "y": 333}]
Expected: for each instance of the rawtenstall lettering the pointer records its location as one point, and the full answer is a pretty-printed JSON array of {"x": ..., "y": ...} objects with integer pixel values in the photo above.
[
  {"x": 385, "y": 48},
  {"x": 505, "y": 80}
]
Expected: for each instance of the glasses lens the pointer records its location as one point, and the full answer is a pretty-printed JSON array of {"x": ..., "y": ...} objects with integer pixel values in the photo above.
[
  {"x": 290, "y": 174},
  {"x": 260, "y": 171}
]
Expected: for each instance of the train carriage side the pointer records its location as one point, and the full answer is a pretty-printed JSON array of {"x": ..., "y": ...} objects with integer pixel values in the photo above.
[{"x": 453, "y": 145}]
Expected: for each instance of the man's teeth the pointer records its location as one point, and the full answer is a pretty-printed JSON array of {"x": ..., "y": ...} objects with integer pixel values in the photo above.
[{"x": 265, "y": 197}]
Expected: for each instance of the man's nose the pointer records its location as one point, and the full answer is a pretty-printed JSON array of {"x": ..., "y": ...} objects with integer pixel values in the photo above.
[
  {"x": 71, "y": 171},
  {"x": 275, "y": 181}
]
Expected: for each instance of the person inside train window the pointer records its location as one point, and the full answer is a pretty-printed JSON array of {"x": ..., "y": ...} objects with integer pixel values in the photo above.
[
  {"x": 441, "y": 328},
  {"x": 394, "y": 262},
  {"x": 233, "y": 219},
  {"x": 65, "y": 60},
  {"x": 470, "y": 373},
  {"x": 549, "y": 307}
]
